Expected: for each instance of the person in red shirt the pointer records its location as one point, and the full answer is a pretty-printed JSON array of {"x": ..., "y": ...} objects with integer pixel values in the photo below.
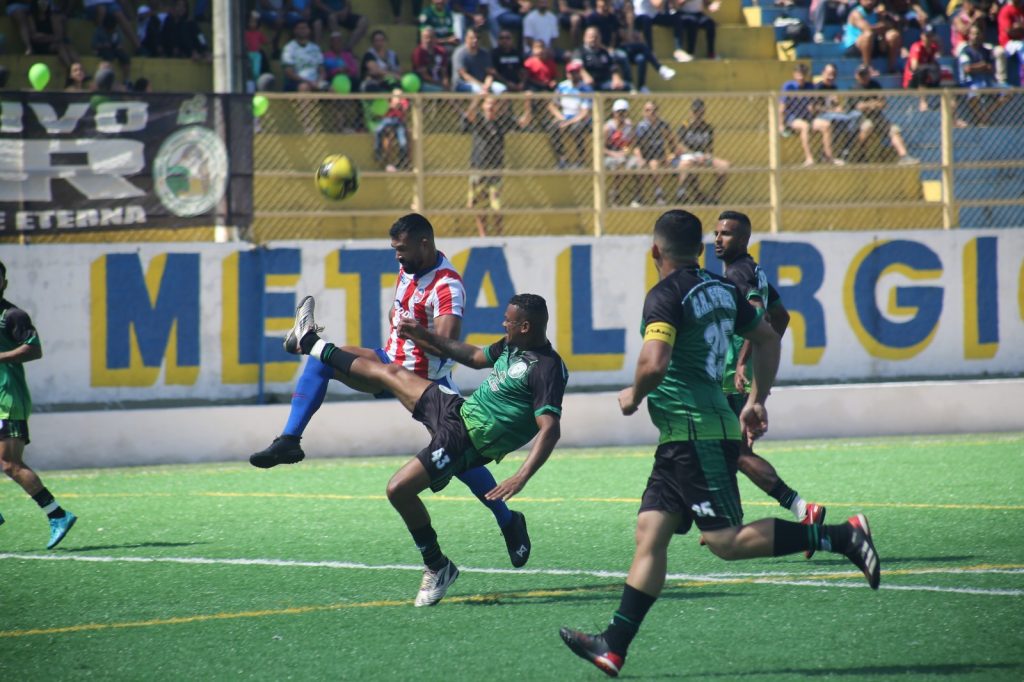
[
  {"x": 430, "y": 62},
  {"x": 921, "y": 69},
  {"x": 1011, "y": 37},
  {"x": 541, "y": 70}
]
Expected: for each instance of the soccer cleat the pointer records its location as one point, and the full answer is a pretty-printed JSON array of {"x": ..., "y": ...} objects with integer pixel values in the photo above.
[
  {"x": 862, "y": 551},
  {"x": 594, "y": 649},
  {"x": 815, "y": 515},
  {"x": 284, "y": 450},
  {"x": 59, "y": 528},
  {"x": 435, "y": 584},
  {"x": 517, "y": 540},
  {"x": 304, "y": 324},
  {"x": 1, "y": 519}
]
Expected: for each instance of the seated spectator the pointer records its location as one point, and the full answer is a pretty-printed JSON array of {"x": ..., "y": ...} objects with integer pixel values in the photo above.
[
  {"x": 828, "y": 113},
  {"x": 541, "y": 69},
  {"x": 142, "y": 85},
  {"x": 379, "y": 71},
  {"x": 873, "y": 124},
  {"x": 693, "y": 16},
  {"x": 106, "y": 43},
  {"x": 180, "y": 36},
  {"x": 655, "y": 147},
  {"x": 470, "y": 66},
  {"x": 619, "y": 134},
  {"x": 631, "y": 48},
  {"x": 795, "y": 113},
  {"x": 391, "y": 138},
  {"x": 255, "y": 40},
  {"x": 869, "y": 34},
  {"x": 1011, "y": 39},
  {"x": 831, "y": 11},
  {"x": 977, "y": 70},
  {"x": 696, "y": 150},
  {"x": 649, "y": 13},
  {"x": 339, "y": 59},
  {"x": 396, "y": 9},
  {"x": 277, "y": 15},
  {"x": 303, "y": 62},
  {"x": 599, "y": 69},
  {"x": 960, "y": 22},
  {"x": 97, "y": 10},
  {"x": 77, "y": 78},
  {"x": 467, "y": 13},
  {"x": 337, "y": 15},
  {"x": 43, "y": 29},
  {"x": 502, "y": 14},
  {"x": 570, "y": 117},
  {"x": 487, "y": 153},
  {"x": 572, "y": 16},
  {"x": 430, "y": 62},
  {"x": 922, "y": 67},
  {"x": 541, "y": 23},
  {"x": 105, "y": 80},
  {"x": 507, "y": 63},
  {"x": 438, "y": 17}
]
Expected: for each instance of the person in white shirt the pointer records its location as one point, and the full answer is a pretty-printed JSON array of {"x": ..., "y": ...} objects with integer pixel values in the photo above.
[
  {"x": 541, "y": 24},
  {"x": 303, "y": 62}
]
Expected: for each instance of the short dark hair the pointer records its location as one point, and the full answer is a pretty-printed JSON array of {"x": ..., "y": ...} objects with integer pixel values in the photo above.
[
  {"x": 378, "y": 32},
  {"x": 534, "y": 307},
  {"x": 742, "y": 218},
  {"x": 414, "y": 225},
  {"x": 3, "y": 270},
  {"x": 679, "y": 232}
]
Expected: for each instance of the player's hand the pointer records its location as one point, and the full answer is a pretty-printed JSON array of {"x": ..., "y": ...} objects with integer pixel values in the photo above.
[
  {"x": 506, "y": 489},
  {"x": 409, "y": 328},
  {"x": 740, "y": 381},
  {"x": 627, "y": 401},
  {"x": 754, "y": 422}
]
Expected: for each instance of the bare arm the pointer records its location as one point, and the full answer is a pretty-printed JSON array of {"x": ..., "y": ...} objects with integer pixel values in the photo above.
[
  {"x": 650, "y": 370},
  {"x": 543, "y": 445},
  {"x": 766, "y": 351},
  {"x": 462, "y": 353},
  {"x": 23, "y": 353},
  {"x": 446, "y": 326}
]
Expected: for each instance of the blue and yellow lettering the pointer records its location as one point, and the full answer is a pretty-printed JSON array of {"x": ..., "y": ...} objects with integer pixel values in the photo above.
[
  {"x": 489, "y": 287},
  {"x": 797, "y": 271},
  {"x": 142, "y": 321},
  {"x": 362, "y": 274},
  {"x": 250, "y": 310},
  {"x": 981, "y": 298},
  {"x": 881, "y": 336},
  {"x": 582, "y": 347}
]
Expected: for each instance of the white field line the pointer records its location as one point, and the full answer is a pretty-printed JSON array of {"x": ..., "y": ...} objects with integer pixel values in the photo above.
[{"x": 799, "y": 579}]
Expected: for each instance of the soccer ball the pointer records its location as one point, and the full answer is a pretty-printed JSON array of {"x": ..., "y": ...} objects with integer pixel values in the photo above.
[{"x": 337, "y": 177}]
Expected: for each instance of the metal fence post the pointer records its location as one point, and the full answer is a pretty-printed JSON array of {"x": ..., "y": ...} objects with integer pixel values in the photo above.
[
  {"x": 597, "y": 145},
  {"x": 774, "y": 166},
  {"x": 948, "y": 110}
]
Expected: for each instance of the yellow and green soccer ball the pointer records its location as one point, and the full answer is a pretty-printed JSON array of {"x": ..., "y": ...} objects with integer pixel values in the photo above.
[{"x": 337, "y": 177}]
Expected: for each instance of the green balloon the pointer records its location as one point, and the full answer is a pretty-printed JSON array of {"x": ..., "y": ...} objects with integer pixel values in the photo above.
[
  {"x": 39, "y": 75},
  {"x": 411, "y": 82},
  {"x": 260, "y": 104},
  {"x": 379, "y": 107},
  {"x": 341, "y": 84}
]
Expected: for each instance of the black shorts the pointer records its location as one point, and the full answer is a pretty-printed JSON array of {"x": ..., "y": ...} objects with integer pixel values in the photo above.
[
  {"x": 450, "y": 451},
  {"x": 736, "y": 401},
  {"x": 14, "y": 428},
  {"x": 697, "y": 479}
]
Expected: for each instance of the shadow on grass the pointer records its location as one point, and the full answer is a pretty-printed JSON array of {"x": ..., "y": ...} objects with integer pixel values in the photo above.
[
  {"x": 138, "y": 545},
  {"x": 887, "y": 561},
  {"x": 937, "y": 669},
  {"x": 559, "y": 595}
]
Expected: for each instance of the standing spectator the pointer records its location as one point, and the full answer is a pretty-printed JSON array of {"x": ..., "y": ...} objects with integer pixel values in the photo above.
[
  {"x": 77, "y": 78},
  {"x": 873, "y": 122},
  {"x": 470, "y": 66},
  {"x": 795, "y": 111},
  {"x": 97, "y": 10},
  {"x": 655, "y": 147},
  {"x": 502, "y": 14},
  {"x": 618, "y": 150},
  {"x": 570, "y": 115},
  {"x": 339, "y": 59},
  {"x": 488, "y": 129},
  {"x": 379, "y": 71},
  {"x": 303, "y": 62},
  {"x": 255, "y": 40},
  {"x": 572, "y": 15},
  {"x": 832, "y": 11},
  {"x": 106, "y": 43},
  {"x": 693, "y": 16},
  {"x": 541, "y": 69},
  {"x": 868, "y": 34},
  {"x": 392, "y": 132},
  {"x": 507, "y": 63},
  {"x": 337, "y": 15},
  {"x": 430, "y": 62},
  {"x": 599, "y": 69},
  {"x": 540, "y": 23},
  {"x": 696, "y": 150},
  {"x": 922, "y": 67},
  {"x": 439, "y": 17},
  {"x": 1011, "y": 39},
  {"x": 635, "y": 50}
]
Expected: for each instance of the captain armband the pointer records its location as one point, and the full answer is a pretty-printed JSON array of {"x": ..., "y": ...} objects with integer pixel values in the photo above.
[{"x": 660, "y": 331}]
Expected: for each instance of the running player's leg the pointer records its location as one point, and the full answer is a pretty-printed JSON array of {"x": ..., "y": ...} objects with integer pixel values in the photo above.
[{"x": 12, "y": 461}]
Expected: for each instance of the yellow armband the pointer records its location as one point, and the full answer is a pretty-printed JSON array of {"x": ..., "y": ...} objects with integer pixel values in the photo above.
[{"x": 660, "y": 331}]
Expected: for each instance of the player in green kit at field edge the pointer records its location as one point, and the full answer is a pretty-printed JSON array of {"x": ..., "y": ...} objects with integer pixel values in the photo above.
[
  {"x": 689, "y": 318},
  {"x": 520, "y": 398},
  {"x": 19, "y": 343}
]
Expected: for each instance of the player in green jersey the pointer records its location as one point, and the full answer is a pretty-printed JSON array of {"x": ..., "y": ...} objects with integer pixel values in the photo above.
[
  {"x": 732, "y": 236},
  {"x": 689, "y": 318},
  {"x": 19, "y": 343},
  {"x": 520, "y": 398}
]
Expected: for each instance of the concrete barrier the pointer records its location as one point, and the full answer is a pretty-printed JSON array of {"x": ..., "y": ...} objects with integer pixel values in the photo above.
[{"x": 381, "y": 427}]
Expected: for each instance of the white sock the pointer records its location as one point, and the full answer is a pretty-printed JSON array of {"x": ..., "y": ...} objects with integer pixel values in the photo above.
[
  {"x": 799, "y": 508},
  {"x": 318, "y": 348},
  {"x": 51, "y": 507}
]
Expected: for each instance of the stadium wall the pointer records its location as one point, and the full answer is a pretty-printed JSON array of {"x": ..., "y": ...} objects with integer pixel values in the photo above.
[{"x": 377, "y": 427}]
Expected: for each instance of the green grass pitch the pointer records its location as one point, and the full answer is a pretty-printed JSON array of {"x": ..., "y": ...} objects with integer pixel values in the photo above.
[{"x": 223, "y": 571}]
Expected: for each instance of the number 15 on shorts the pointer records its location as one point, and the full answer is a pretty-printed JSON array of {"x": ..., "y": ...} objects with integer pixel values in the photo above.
[{"x": 702, "y": 509}]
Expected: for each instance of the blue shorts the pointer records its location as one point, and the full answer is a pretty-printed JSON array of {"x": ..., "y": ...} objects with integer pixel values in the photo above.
[{"x": 445, "y": 381}]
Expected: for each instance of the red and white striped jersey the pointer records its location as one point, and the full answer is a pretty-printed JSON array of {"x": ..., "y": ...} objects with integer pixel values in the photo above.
[{"x": 424, "y": 297}]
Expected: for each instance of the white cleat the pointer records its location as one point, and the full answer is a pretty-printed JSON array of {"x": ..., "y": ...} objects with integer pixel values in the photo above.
[
  {"x": 435, "y": 584},
  {"x": 304, "y": 324}
]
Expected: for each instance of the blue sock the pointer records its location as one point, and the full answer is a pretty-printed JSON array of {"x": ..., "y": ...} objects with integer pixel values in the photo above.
[
  {"x": 480, "y": 481},
  {"x": 309, "y": 394}
]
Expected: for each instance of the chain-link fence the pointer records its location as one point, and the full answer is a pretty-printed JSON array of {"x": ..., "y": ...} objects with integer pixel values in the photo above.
[{"x": 597, "y": 163}]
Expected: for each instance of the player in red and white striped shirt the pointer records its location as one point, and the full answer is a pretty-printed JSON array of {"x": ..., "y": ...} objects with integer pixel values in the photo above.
[{"x": 430, "y": 290}]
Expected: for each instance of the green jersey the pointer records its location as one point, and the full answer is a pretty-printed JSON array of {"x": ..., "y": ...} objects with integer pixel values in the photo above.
[
  {"x": 753, "y": 284},
  {"x": 16, "y": 330},
  {"x": 442, "y": 22},
  {"x": 501, "y": 415},
  {"x": 697, "y": 313}
]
